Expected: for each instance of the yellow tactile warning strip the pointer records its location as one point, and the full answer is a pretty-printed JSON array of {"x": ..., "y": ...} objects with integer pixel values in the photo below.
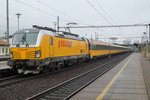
[{"x": 106, "y": 89}]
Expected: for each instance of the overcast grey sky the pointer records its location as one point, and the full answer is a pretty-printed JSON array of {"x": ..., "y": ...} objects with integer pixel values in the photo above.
[{"x": 44, "y": 12}]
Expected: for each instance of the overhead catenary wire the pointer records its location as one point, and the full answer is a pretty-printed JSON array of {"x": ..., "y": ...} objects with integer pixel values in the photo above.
[
  {"x": 106, "y": 13},
  {"x": 64, "y": 14},
  {"x": 35, "y": 8},
  {"x": 110, "y": 21},
  {"x": 118, "y": 26},
  {"x": 118, "y": 37},
  {"x": 42, "y": 11},
  {"x": 104, "y": 10},
  {"x": 98, "y": 12},
  {"x": 109, "y": 26},
  {"x": 54, "y": 9}
]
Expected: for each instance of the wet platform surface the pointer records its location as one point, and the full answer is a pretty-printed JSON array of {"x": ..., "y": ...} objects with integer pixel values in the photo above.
[{"x": 124, "y": 82}]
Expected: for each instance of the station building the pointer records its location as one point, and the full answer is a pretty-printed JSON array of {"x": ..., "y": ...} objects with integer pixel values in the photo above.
[{"x": 4, "y": 47}]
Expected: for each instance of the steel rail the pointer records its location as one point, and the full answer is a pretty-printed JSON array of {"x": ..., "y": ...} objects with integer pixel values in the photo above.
[{"x": 8, "y": 78}]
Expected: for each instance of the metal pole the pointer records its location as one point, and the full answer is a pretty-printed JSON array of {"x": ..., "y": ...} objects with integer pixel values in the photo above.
[
  {"x": 18, "y": 23},
  {"x": 149, "y": 44},
  {"x": 149, "y": 32},
  {"x": 95, "y": 36},
  {"x": 57, "y": 23},
  {"x": 7, "y": 14}
]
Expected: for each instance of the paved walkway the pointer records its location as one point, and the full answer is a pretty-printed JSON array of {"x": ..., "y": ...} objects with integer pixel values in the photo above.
[{"x": 124, "y": 82}]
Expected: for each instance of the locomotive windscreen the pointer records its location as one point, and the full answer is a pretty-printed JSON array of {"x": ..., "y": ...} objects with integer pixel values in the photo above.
[{"x": 25, "y": 38}]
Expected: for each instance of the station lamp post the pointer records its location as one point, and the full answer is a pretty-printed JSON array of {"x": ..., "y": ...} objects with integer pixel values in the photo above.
[{"x": 18, "y": 16}]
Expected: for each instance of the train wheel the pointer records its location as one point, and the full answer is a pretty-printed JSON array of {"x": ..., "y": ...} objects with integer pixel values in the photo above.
[
  {"x": 46, "y": 69},
  {"x": 66, "y": 63},
  {"x": 60, "y": 65},
  {"x": 52, "y": 67}
]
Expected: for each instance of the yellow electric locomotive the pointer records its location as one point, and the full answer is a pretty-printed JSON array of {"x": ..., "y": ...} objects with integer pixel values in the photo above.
[{"x": 43, "y": 49}]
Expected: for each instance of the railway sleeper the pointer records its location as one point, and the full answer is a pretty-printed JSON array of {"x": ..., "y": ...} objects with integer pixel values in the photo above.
[
  {"x": 62, "y": 93},
  {"x": 59, "y": 95},
  {"x": 65, "y": 91},
  {"x": 53, "y": 97},
  {"x": 71, "y": 86}
]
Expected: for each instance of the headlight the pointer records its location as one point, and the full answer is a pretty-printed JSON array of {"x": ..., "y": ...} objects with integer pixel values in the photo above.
[{"x": 37, "y": 54}]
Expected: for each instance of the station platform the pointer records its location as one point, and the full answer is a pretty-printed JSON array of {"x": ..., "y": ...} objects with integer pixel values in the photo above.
[
  {"x": 126, "y": 81},
  {"x": 3, "y": 56},
  {"x": 3, "y": 65}
]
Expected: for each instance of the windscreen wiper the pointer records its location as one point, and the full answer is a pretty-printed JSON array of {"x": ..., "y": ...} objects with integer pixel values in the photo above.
[
  {"x": 23, "y": 38},
  {"x": 27, "y": 45}
]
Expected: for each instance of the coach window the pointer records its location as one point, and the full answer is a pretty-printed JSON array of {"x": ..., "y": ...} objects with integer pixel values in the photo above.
[
  {"x": 3, "y": 50},
  {"x": 51, "y": 41},
  {"x": 6, "y": 50}
]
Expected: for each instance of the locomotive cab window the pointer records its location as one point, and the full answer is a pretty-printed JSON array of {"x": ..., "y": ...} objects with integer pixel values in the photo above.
[
  {"x": 51, "y": 41},
  {"x": 25, "y": 38}
]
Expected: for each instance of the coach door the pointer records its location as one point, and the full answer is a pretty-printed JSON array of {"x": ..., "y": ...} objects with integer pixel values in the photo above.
[{"x": 51, "y": 46}]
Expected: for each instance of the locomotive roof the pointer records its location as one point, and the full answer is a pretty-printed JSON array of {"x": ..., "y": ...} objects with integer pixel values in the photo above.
[
  {"x": 69, "y": 35},
  {"x": 28, "y": 30},
  {"x": 61, "y": 33}
]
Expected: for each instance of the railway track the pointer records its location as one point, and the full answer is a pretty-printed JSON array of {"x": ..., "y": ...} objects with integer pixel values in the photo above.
[
  {"x": 8, "y": 78},
  {"x": 6, "y": 82},
  {"x": 13, "y": 80},
  {"x": 68, "y": 88}
]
